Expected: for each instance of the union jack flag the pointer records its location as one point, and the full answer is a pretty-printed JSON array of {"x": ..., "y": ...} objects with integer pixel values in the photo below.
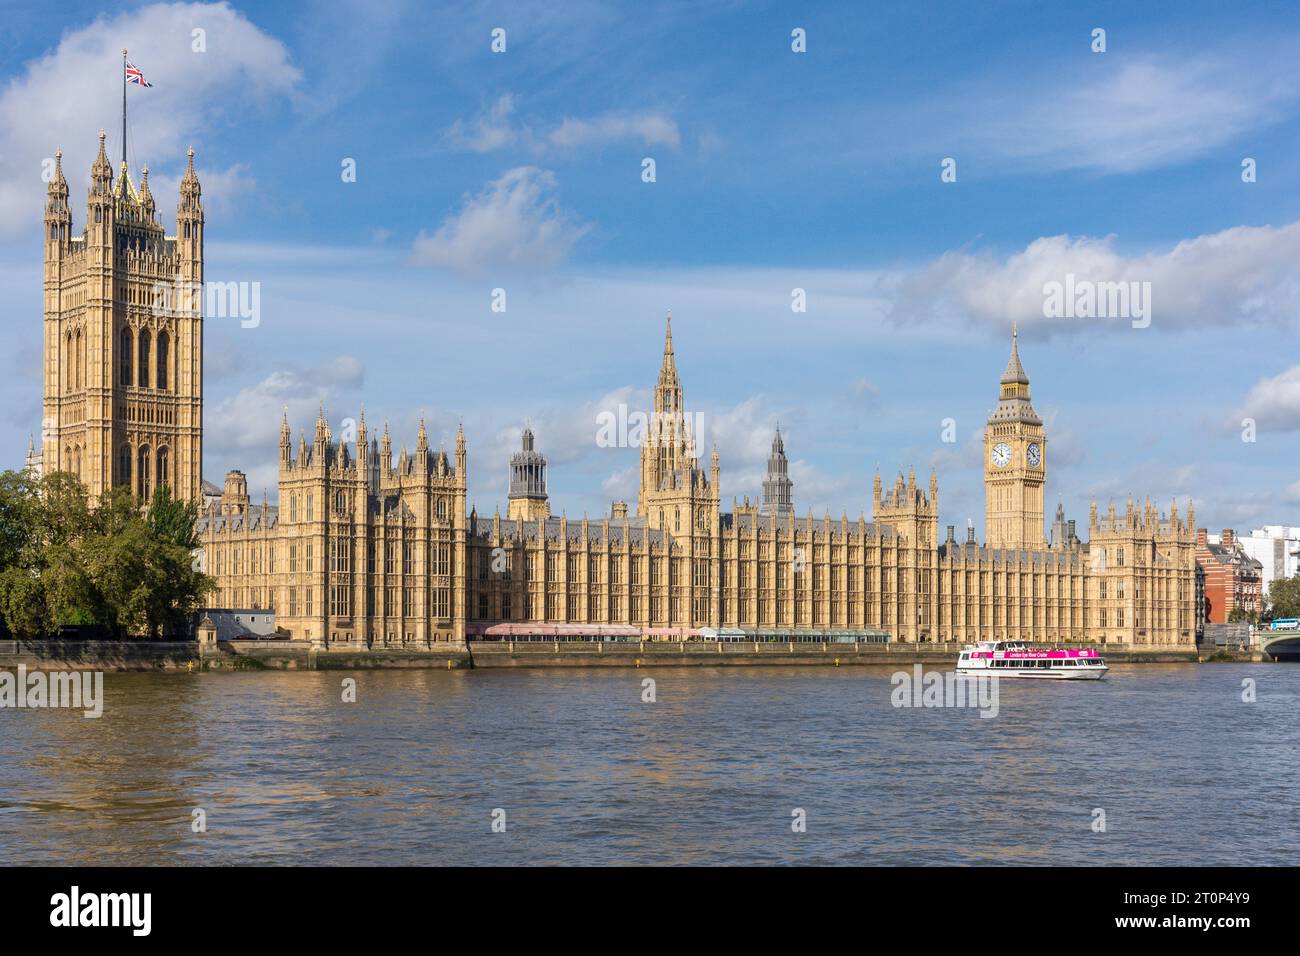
[{"x": 133, "y": 75}]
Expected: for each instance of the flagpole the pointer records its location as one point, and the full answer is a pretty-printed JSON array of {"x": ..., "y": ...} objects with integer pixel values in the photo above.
[{"x": 123, "y": 106}]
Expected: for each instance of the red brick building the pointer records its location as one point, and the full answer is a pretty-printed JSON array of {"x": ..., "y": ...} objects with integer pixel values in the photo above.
[{"x": 1233, "y": 579}]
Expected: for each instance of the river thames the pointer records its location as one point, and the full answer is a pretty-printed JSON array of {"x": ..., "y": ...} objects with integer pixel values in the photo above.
[{"x": 711, "y": 772}]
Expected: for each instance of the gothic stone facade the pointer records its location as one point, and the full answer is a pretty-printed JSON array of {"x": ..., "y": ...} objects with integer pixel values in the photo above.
[
  {"x": 123, "y": 401},
  {"x": 367, "y": 552}
]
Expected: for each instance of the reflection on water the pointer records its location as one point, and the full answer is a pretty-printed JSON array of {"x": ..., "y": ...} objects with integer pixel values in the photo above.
[{"x": 587, "y": 773}]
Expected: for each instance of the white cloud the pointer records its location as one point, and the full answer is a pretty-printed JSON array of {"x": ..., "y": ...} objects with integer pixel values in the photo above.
[
  {"x": 63, "y": 97},
  {"x": 491, "y": 130},
  {"x": 1146, "y": 113},
  {"x": 1274, "y": 403},
  {"x": 651, "y": 129},
  {"x": 622, "y": 486},
  {"x": 1292, "y": 494},
  {"x": 250, "y": 419},
  {"x": 1119, "y": 112},
  {"x": 497, "y": 127},
  {"x": 515, "y": 223},
  {"x": 1241, "y": 274}
]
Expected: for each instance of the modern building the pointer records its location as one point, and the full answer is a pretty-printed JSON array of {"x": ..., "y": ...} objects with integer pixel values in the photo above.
[
  {"x": 1277, "y": 549},
  {"x": 1233, "y": 579}
]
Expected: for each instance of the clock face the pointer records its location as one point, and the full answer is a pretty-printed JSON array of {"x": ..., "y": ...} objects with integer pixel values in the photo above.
[
  {"x": 1034, "y": 454},
  {"x": 1001, "y": 454}
]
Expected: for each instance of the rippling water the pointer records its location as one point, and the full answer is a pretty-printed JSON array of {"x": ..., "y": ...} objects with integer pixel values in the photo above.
[{"x": 709, "y": 774}]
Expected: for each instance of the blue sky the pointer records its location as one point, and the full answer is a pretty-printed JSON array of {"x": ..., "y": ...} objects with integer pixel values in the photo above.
[{"x": 774, "y": 171}]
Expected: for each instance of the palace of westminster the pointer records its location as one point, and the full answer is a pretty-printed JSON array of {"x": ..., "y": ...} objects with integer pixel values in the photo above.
[{"x": 365, "y": 550}]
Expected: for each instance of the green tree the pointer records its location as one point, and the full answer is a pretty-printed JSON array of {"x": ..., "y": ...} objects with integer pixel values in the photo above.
[
  {"x": 18, "y": 517},
  {"x": 63, "y": 510},
  {"x": 142, "y": 567},
  {"x": 174, "y": 520},
  {"x": 64, "y": 561},
  {"x": 1284, "y": 595},
  {"x": 22, "y": 602}
]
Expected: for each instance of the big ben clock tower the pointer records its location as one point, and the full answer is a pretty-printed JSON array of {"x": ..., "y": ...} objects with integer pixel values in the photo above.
[{"x": 1015, "y": 463}]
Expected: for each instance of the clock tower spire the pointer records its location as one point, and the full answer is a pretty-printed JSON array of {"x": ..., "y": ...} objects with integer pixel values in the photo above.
[{"x": 1015, "y": 463}]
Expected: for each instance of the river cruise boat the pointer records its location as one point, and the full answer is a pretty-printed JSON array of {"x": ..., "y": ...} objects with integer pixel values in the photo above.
[{"x": 1016, "y": 659}]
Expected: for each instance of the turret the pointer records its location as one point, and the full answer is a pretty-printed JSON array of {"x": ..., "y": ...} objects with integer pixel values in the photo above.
[
  {"x": 99, "y": 204},
  {"x": 189, "y": 224},
  {"x": 58, "y": 215},
  {"x": 234, "y": 497},
  {"x": 422, "y": 448},
  {"x": 778, "y": 489},
  {"x": 363, "y": 449},
  {"x": 322, "y": 438},
  {"x": 147, "y": 206},
  {"x": 284, "y": 439},
  {"x": 385, "y": 451},
  {"x": 527, "y": 497}
]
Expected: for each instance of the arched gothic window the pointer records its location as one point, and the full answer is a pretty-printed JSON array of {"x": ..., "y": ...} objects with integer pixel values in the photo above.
[
  {"x": 162, "y": 360},
  {"x": 124, "y": 359},
  {"x": 142, "y": 486},
  {"x": 142, "y": 371}
]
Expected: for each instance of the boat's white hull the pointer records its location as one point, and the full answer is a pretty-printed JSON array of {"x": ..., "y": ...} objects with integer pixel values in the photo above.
[{"x": 1038, "y": 673}]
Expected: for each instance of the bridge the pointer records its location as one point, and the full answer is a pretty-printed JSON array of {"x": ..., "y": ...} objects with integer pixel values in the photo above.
[{"x": 1281, "y": 645}]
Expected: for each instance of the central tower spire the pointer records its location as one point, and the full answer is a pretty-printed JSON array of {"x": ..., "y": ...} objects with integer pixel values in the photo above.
[
  {"x": 674, "y": 488},
  {"x": 668, "y": 390}
]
